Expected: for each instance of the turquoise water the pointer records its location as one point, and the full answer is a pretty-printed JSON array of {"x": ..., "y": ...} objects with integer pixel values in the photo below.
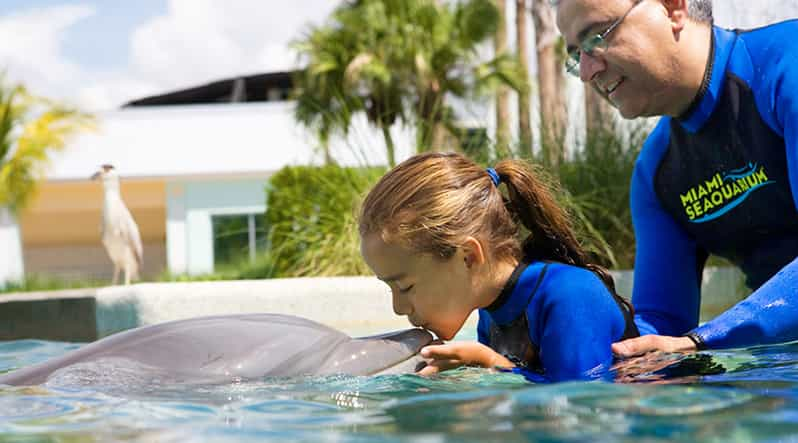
[{"x": 743, "y": 396}]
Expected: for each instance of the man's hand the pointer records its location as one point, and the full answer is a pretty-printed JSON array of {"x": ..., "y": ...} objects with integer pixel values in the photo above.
[
  {"x": 453, "y": 355},
  {"x": 646, "y": 343}
]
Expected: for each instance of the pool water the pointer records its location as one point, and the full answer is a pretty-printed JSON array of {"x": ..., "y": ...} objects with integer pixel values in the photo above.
[{"x": 731, "y": 396}]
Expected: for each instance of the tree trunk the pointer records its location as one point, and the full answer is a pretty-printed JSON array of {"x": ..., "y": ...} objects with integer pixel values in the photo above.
[
  {"x": 524, "y": 125},
  {"x": 550, "y": 82},
  {"x": 12, "y": 268},
  {"x": 389, "y": 146},
  {"x": 598, "y": 113},
  {"x": 503, "y": 92}
]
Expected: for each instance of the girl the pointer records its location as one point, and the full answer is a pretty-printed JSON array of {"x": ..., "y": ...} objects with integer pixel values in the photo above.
[{"x": 439, "y": 232}]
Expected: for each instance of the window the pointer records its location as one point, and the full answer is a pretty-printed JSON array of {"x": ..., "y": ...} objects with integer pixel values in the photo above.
[{"x": 237, "y": 237}]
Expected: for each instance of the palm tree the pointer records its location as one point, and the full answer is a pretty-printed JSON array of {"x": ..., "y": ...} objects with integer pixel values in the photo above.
[
  {"x": 321, "y": 104},
  {"x": 346, "y": 73},
  {"x": 502, "y": 92},
  {"x": 550, "y": 81},
  {"x": 31, "y": 128},
  {"x": 399, "y": 61}
]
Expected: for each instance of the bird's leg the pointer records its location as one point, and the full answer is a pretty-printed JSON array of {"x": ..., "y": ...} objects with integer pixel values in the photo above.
[
  {"x": 116, "y": 275},
  {"x": 127, "y": 276}
]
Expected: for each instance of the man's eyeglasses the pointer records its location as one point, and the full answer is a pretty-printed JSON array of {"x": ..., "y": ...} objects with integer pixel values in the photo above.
[{"x": 592, "y": 43}]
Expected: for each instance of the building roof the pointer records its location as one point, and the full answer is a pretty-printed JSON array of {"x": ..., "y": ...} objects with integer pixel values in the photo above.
[{"x": 252, "y": 88}]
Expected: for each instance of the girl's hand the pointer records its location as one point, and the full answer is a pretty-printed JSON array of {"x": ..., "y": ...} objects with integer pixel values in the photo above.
[{"x": 453, "y": 355}]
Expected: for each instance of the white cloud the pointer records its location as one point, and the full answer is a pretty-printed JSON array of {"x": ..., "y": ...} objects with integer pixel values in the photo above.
[
  {"x": 195, "y": 41},
  {"x": 203, "y": 40},
  {"x": 32, "y": 52}
]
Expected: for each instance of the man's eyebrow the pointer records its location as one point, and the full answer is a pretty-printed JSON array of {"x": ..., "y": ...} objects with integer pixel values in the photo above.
[
  {"x": 587, "y": 30},
  {"x": 391, "y": 278}
]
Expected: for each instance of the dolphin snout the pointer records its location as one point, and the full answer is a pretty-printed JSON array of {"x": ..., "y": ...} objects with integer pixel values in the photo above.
[{"x": 414, "y": 338}]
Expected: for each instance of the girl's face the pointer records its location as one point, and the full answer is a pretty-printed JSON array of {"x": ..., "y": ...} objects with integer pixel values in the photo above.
[{"x": 435, "y": 294}]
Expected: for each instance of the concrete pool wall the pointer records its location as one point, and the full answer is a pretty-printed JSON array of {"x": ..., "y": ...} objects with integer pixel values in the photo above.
[{"x": 359, "y": 305}]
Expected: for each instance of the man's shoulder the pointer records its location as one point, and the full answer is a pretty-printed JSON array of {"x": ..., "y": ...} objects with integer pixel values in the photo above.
[
  {"x": 768, "y": 44},
  {"x": 786, "y": 28},
  {"x": 655, "y": 146}
]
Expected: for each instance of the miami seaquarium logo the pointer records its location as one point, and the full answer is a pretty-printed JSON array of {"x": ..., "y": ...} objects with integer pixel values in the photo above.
[{"x": 723, "y": 192}]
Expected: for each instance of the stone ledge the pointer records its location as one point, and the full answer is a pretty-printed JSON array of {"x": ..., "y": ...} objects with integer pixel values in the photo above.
[{"x": 357, "y": 305}]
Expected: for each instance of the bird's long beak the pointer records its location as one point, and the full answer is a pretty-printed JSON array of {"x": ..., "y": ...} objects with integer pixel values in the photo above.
[{"x": 95, "y": 176}]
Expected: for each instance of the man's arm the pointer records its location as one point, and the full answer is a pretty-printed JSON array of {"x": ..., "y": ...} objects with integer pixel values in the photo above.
[{"x": 769, "y": 314}]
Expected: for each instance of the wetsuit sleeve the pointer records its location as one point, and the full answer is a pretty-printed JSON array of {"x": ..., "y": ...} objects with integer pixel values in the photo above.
[
  {"x": 769, "y": 314},
  {"x": 667, "y": 273},
  {"x": 576, "y": 322}
]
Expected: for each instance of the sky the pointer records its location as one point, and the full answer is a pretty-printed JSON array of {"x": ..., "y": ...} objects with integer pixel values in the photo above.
[{"x": 99, "y": 54}]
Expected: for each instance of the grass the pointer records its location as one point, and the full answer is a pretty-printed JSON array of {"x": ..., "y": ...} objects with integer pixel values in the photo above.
[{"x": 39, "y": 282}]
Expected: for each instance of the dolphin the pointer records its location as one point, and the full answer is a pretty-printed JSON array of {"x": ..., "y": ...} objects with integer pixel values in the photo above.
[{"x": 230, "y": 348}]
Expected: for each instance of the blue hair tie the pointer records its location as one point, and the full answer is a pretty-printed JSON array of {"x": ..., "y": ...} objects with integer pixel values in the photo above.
[{"x": 494, "y": 176}]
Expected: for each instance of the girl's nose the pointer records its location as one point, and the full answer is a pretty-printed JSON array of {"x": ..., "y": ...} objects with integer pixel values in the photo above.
[{"x": 400, "y": 305}]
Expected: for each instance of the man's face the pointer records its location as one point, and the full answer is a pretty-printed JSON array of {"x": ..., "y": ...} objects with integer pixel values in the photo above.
[{"x": 635, "y": 70}]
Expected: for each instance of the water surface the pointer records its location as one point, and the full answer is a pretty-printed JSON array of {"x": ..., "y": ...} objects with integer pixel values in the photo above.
[{"x": 731, "y": 396}]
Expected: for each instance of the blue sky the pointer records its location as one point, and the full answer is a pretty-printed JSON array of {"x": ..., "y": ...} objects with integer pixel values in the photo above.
[{"x": 98, "y": 54}]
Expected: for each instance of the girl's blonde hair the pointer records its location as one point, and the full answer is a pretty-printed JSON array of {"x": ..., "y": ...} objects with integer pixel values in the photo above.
[{"x": 431, "y": 202}]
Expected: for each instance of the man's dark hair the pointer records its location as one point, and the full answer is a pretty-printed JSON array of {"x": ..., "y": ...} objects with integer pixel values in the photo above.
[{"x": 700, "y": 10}]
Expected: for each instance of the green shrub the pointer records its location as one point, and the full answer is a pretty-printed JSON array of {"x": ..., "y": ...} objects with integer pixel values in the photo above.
[
  {"x": 597, "y": 181},
  {"x": 311, "y": 215}
]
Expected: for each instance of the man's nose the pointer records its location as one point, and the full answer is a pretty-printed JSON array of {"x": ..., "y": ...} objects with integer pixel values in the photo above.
[{"x": 590, "y": 66}]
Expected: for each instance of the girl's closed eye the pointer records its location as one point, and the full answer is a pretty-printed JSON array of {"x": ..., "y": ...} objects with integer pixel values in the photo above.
[{"x": 404, "y": 290}]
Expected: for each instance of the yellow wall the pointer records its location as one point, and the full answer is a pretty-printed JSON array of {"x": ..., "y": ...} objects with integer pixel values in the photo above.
[
  {"x": 61, "y": 229},
  {"x": 70, "y": 213}
]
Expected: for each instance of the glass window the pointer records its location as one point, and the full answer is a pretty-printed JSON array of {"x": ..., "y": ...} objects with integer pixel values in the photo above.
[{"x": 238, "y": 237}]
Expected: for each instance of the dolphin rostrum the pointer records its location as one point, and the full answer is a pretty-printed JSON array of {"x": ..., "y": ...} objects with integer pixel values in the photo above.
[{"x": 228, "y": 348}]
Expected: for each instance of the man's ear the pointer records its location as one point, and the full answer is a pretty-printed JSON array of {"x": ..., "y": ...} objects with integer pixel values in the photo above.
[
  {"x": 473, "y": 253},
  {"x": 677, "y": 13}
]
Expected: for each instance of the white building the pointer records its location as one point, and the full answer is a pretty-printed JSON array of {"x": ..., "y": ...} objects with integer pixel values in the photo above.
[{"x": 183, "y": 167}]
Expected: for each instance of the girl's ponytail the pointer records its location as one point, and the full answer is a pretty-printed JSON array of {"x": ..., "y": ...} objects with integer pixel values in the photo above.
[{"x": 530, "y": 200}]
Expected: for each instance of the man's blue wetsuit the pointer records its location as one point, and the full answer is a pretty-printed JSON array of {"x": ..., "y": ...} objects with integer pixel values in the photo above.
[
  {"x": 723, "y": 180},
  {"x": 555, "y": 322}
]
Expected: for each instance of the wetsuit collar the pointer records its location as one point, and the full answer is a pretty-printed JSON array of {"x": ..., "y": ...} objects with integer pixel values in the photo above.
[
  {"x": 516, "y": 294},
  {"x": 708, "y": 94}
]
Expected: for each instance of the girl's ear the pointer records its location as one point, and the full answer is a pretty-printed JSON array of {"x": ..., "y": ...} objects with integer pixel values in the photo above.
[{"x": 473, "y": 253}]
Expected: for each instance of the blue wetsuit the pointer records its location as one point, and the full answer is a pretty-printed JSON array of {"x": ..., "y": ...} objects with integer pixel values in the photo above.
[
  {"x": 723, "y": 180},
  {"x": 555, "y": 322}
]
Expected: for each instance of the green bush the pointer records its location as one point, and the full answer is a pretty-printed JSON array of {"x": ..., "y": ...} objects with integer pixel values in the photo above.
[
  {"x": 597, "y": 181},
  {"x": 311, "y": 215}
]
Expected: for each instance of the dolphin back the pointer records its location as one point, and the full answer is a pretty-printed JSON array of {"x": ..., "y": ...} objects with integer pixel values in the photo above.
[{"x": 234, "y": 347}]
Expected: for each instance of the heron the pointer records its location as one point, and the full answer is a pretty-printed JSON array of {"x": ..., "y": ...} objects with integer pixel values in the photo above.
[{"x": 120, "y": 234}]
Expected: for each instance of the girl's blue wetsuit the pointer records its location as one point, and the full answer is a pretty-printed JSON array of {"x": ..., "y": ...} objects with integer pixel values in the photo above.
[
  {"x": 722, "y": 180},
  {"x": 555, "y": 322}
]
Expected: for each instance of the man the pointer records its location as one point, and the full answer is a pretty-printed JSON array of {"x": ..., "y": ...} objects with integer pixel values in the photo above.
[{"x": 719, "y": 173}]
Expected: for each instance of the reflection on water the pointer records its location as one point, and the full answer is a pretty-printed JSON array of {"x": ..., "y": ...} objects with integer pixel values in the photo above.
[{"x": 741, "y": 395}]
